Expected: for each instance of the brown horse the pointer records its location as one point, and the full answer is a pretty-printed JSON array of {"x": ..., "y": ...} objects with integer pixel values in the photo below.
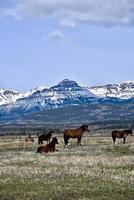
[
  {"x": 45, "y": 137},
  {"x": 49, "y": 147},
  {"x": 29, "y": 139},
  {"x": 121, "y": 134},
  {"x": 75, "y": 133}
]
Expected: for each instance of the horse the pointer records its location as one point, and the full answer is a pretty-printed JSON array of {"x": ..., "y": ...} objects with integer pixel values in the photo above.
[
  {"x": 75, "y": 133},
  {"x": 29, "y": 139},
  {"x": 45, "y": 137},
  {"x": 49, "y": 147},
  {"x": 121, "y": 134}
]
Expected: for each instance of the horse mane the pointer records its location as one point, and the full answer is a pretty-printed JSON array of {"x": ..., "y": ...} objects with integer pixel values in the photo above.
[
  {"x": 128, "y": 131},
  {"x": 49, "y": 133},
  {"x": 83, "y": 126}
]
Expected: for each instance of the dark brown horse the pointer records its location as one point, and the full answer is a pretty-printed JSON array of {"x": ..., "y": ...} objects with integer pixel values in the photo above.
[
  {"x": 45, "y": 137},
  {"x": 75, "y": 133},
  {"x": 49, "y": 147},
  {"x": 121, "y": 134}
]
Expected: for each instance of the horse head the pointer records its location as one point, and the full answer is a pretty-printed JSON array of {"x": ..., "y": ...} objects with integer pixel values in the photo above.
[
  {"x": 85, "y": 128},
  {"x": 130, "y": 131},
  {"x": 50, "y": 133},
  {"x": 55, "y": 140}
]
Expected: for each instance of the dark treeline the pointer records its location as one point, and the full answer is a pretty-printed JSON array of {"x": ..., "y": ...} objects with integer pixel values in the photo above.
[{"x": 36, "y": 129}]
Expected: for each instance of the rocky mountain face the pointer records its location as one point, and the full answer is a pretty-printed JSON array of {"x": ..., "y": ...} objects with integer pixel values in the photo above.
[
  {"x": 69, "y": 102},
  {"x": 69, "y": 89},
  {"x": 124, "y": 90},
  {"x": 66, "y": 93},
  {"x": 9, "y": 96}
]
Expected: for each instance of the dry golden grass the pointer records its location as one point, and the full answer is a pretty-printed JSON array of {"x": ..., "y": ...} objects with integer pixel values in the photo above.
[{"x": 97, "y": 170}]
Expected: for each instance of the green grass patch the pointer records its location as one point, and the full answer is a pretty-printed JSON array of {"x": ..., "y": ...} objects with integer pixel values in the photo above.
[
  {"x": 67, "y": 187},
  {"x": 97, "y": 170}
]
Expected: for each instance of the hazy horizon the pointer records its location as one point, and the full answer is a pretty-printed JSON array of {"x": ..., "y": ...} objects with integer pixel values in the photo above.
[{"x": 44, "y": 42}]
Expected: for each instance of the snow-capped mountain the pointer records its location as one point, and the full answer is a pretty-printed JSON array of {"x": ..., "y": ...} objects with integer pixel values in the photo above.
[
  {"x": 123, "y": 91},
  {"x": 9, "y": 96},
  {"x": 68, "y": 89},
  {"x": 100, "y": 103},
  {"x": 30, "y": 92},
  {"x": 66, "y": 93}
]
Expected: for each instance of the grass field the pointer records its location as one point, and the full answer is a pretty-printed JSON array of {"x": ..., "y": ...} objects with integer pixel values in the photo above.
[{"x": 97, "y": 170}]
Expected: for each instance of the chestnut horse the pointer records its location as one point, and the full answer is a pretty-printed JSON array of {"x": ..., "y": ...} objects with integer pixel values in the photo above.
[
  {"x": 29, "y": 139},
  {"x": 75, "y": 133},
  {"x": 49, "y": 147},
  {"x": 121, "y": 134}
]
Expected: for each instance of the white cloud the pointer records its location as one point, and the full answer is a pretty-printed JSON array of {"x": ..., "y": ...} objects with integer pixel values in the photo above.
[
  {"x": 74, "y": 12},
  {"x": 55, "y": 35},
  {"x": 58, "y": 35}
]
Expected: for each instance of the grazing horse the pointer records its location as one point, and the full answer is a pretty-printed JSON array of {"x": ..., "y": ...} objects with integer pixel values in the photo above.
[
  {"x": 45, "y": 137},
  {"x": 49, "y": 147},
  {"x": 29, "y": 139},
  {"x": 75, "y": 133},
  {"x": 121, "y": 134}
]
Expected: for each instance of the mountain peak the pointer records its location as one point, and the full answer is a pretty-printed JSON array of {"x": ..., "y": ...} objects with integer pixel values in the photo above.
[{"x": 67, "y": 83}]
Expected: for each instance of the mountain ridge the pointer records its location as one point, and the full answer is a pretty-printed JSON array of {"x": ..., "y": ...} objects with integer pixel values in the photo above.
[
  {"x": 123, "y": 90},
  {"x": 66, "y": 93},
  {"x": 70, "y": 102}
]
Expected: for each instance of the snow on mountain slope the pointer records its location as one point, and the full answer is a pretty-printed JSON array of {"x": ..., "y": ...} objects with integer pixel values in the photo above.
[
  {"x": 9, "y": 96},
  {"x": 70, "y": 88},
  {"x": 124, "y": 90},
  {"x": 66, "y": 93},
  {"x": 30, "y": 92}
]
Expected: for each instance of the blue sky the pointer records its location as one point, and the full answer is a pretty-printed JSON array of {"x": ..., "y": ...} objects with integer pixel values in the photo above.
[{"x": 42, "y": 42}]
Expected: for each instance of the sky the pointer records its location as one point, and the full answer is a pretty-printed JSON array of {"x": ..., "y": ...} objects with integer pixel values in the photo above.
[{"x": 43, "y": 42}]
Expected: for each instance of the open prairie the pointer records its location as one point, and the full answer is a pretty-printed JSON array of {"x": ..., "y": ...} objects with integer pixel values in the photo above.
[{"x": 97, "y": 170}]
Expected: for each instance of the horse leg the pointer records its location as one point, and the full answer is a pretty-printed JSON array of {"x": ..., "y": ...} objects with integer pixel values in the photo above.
[
  {"x": 124, "y": 139},
  {"x": 114, "y": 139},
  {"x": 79, "y": 141},
  {"x": 38, "y": 140},
  {"x": 66, "y": 140}
]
